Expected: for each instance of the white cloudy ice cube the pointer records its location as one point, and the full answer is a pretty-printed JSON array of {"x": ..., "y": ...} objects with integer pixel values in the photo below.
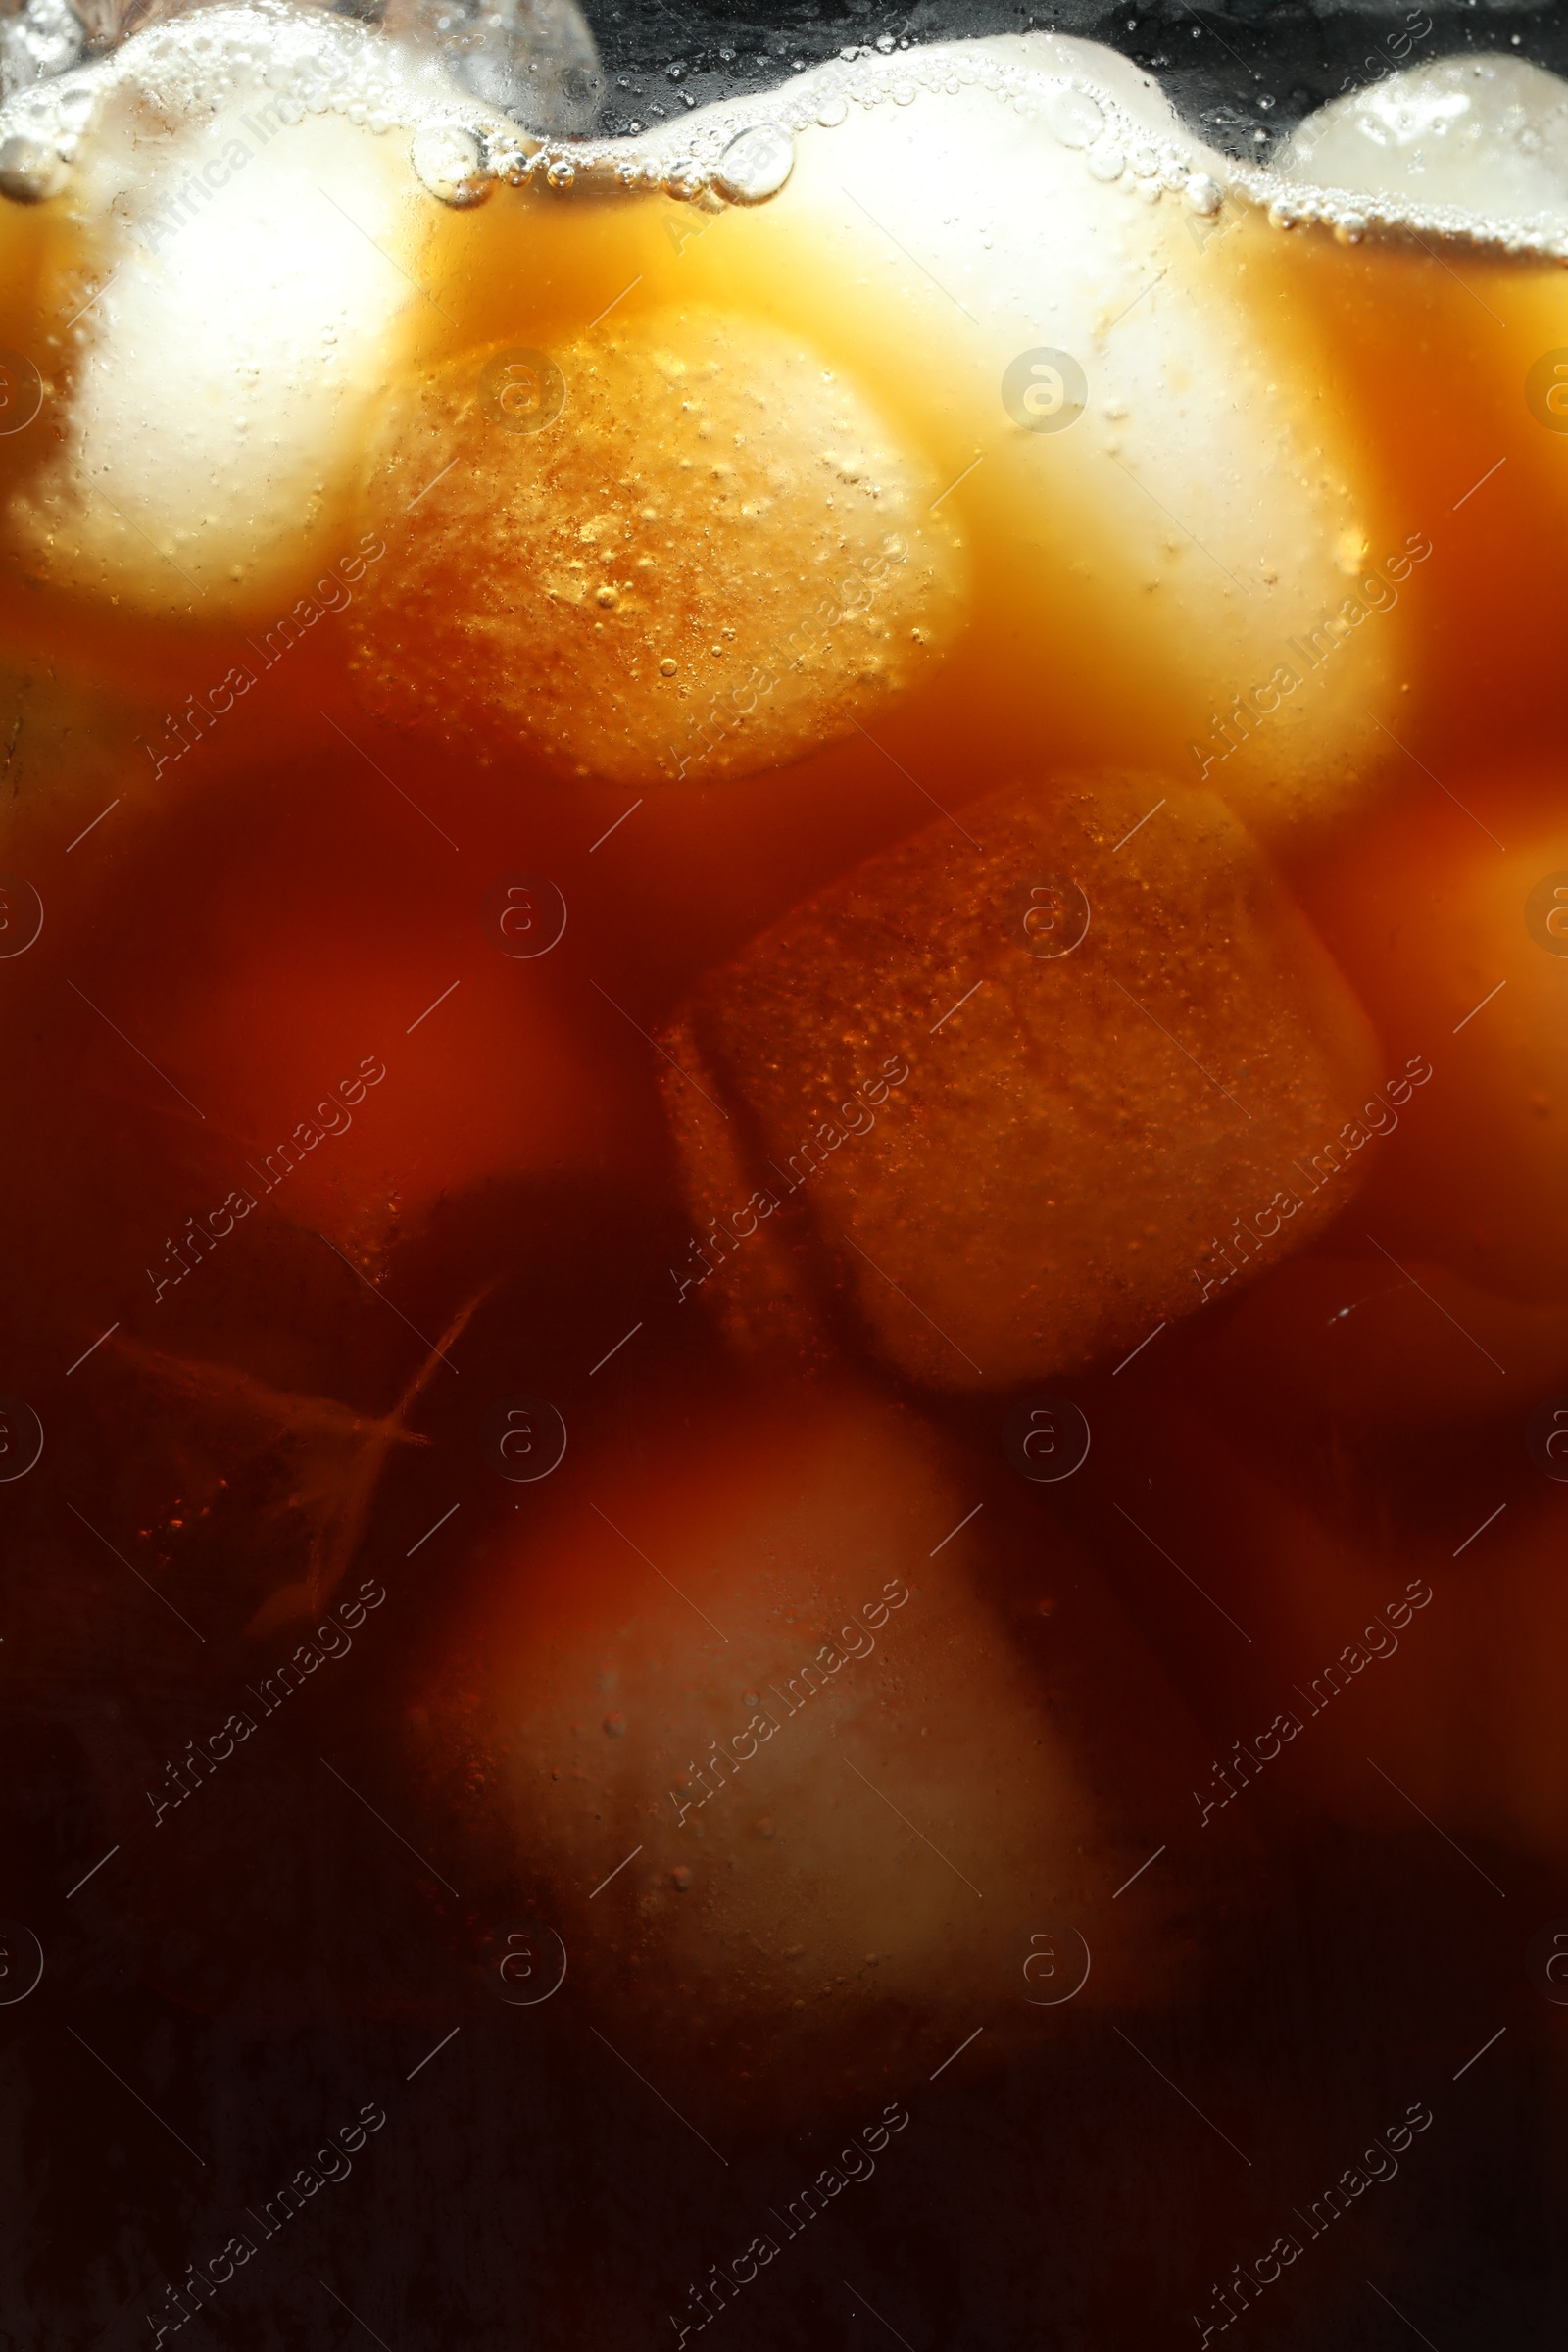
[
  {"x": 1487, "y": 135},
  {"x": 248, "y": 276}
]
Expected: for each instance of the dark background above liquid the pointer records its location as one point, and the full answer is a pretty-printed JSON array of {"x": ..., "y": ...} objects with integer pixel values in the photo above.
[{"x": 1253, "y": 66}]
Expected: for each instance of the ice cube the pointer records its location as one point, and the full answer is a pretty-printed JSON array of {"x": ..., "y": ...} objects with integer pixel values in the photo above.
[
  {"x": 687, "y": 546},
  {"x": 1020, "y": 1092},
  {"x": 38, "y": 41},
  {"x": 1143, "y": 438},
  {"x": 536, "y": 59},
  {"x": 1487, "y": 135},
  {"x": 754, "y": 1707},
  {"x": 251, "y": 274},
  {"x": 1466, "y": 965}
]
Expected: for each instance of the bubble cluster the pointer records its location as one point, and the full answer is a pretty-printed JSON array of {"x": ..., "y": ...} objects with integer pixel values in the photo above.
[
  {"x": 1099, "y": 107},
  {"x": 529, "y": 75}
]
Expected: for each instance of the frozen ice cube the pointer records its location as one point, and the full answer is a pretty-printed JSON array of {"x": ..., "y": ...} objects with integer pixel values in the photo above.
[
  {"x": 1019, "y": 309},
  {"x": 1015, "y": 1095},
  {"x": 252, "y": 270},
  {"x": 754, "y": 1707},
  {"x": 1487, "y": 135},
  {"x": 688, "y": 547},
  {"x": 534, "y": 58},
  {"x": 38, "y": 41}
]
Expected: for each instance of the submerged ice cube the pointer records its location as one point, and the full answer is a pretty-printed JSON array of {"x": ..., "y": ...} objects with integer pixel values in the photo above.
[
  {"x": 687, "y": 546},
  {"x": 1015, "y": 1094},
  {"x": 802, "y": 1796}
]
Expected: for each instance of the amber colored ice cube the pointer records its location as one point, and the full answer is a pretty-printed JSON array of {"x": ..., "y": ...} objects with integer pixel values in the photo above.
[{"x": 1020, "y": 1090}]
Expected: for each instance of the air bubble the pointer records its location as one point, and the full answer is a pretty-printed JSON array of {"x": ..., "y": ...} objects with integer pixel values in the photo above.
[
  {"x": 1074, "y": 118},
  {"x": 29, "y": 171},
  {"x": 450, "y": 162},
  {"x": 508, "y": 155},
  {"x": 1107, "y": 161},
  {"x": 1204, "y": 194},
  {"x": 755, "y": 164}
]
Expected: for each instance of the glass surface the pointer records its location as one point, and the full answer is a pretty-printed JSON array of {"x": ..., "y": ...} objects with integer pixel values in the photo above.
[{"x": 784, "y": 1365}]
